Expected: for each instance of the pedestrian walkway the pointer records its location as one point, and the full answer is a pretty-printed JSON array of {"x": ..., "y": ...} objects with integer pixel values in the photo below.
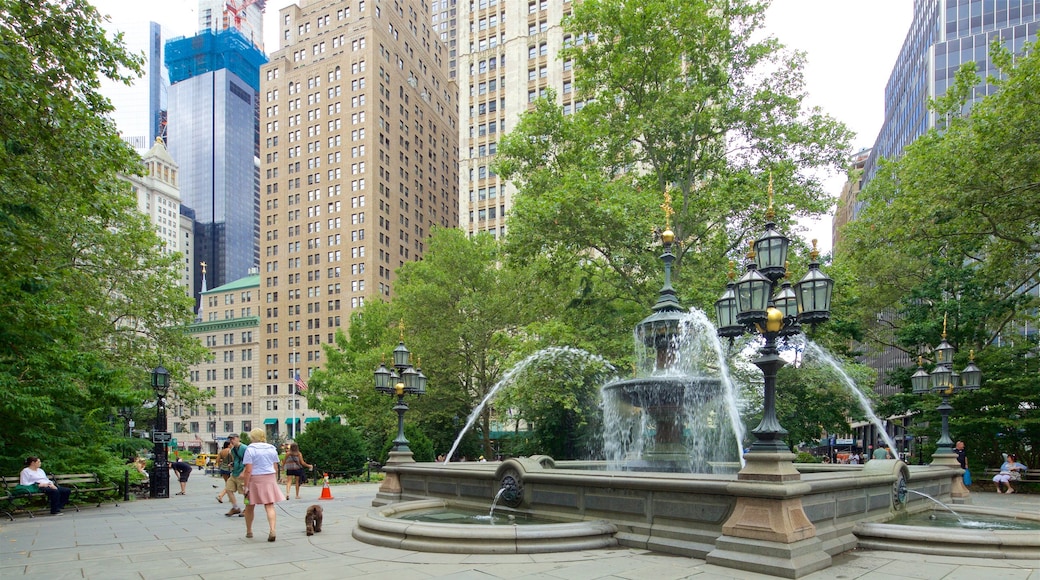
[{"x": 189, "y": 537}]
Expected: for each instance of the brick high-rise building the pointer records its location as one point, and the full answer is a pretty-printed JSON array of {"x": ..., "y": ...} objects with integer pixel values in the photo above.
[
  {"x": 359, "y": 160},
  {"x": 507, "y": 59}
]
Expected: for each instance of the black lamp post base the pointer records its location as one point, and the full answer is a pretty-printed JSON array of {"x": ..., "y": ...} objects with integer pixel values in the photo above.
[{"x": 159, "y": 482}]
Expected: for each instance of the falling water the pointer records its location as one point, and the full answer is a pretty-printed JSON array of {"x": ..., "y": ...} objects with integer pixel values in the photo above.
[
  {"x": 494, "y": 503},
  {"x": 510, "y": 376},
  {"x": 864, "y": 402},
  {"x": 698, "y": 325},
  {"x": 681, "y": 417},
  {"x": 941, "y": 504}
]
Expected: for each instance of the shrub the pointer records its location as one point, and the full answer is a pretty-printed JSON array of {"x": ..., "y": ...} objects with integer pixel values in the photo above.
[
  {"x": 418, "y": 442},
  {"x": 332, "y": 447}
]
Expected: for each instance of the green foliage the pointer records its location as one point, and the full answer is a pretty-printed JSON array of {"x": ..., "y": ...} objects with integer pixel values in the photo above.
[
  {"x": 463, "y": 313},
  {"x": 346, "y": 388},
  {"x": 804, "y": 457},
  {"x": 420, "y": 445},
  {"x": 89, "y": 299},
  {"x": 558, "y": 394},
  {"x": 948, "y": 242},
  {"x": 950, "y": 228},
  {"x": 330, "y": 446},
  {"x": 681, "y": 97},
  {"x": 812, "y": 400}
]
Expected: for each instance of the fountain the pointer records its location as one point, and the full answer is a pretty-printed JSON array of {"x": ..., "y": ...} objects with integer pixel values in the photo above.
[
  {"x": 773, "y": 517},
  {"x": 667, "y": 417}
]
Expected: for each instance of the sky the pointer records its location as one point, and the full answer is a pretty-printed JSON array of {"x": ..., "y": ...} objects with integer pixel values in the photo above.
[{"x": 851, "y": 46}]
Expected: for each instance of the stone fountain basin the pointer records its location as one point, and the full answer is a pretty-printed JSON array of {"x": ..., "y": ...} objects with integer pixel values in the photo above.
[
  {"x": 969, "y": 543},
  {"x": 665, "y": 391},
  {"x": 383, "y": 527}
]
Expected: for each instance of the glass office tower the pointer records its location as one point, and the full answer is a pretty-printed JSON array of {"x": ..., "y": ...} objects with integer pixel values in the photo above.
[
  {"x": 213, "y": 135},
  {"x": 944, "y": 35}
]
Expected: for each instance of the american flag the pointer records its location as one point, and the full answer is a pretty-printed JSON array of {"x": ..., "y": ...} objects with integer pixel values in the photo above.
[{"x": 300, "y": 385}]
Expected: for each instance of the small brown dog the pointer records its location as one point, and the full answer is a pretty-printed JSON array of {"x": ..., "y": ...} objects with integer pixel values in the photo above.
[{"x": 313, "y": 519}]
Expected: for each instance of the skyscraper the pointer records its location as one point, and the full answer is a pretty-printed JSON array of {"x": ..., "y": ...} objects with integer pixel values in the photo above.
[
  {"x": 944, "y": 35},
  {"x": 507, "y": 59},
  {"x": 140, "y": 108},
  {"x": 359, "y": 150},
  {"x": 158, "y": 197},
  {"x": 212, "y": 134}
]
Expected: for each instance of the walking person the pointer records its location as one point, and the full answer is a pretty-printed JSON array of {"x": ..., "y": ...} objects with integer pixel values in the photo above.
[
  {"x": 237, "y": 453},
  {"x": 294, "y": 465},
  {"x": 225, "y": 461},
  {"x": 33, "y": 476},
  {"x": 261, "y": 481}
]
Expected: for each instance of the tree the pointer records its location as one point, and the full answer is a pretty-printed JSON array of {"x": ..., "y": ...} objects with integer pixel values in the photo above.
[
  {"x": 346, "y": 388},
  {"x": 947, "y": 239},
  {"x": 950, "y": 227},
  {"x": 89, "y": 299},
  {"x": 681, "y": 97},
  {"x": 558, "y": 395},
  {"x": 812, "y": 399},
  {"x": 462, "y": 313}
]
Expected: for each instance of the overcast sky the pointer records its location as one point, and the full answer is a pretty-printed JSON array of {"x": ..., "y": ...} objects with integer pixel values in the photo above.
[{"x": 851, "y": 47}]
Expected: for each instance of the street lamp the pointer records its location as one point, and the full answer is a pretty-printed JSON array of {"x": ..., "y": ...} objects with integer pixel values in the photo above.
[
  {"x": 753, "y": 305},
  {"x": 160, "y": 478},
  {"x": 945, "y": 381},
  {"x": 403, "y": 380}
]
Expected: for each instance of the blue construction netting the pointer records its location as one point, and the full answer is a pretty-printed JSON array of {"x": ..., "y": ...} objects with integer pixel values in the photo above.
[{"x": 187, "y": 57}]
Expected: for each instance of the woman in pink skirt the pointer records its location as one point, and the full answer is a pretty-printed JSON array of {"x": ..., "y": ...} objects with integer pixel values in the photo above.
[{"x": 260, "y": 480}]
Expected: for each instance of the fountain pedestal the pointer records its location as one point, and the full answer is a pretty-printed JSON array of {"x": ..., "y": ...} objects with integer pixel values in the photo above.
[
  {"x": 390, "y": 490},
  {"x": 768, "y": 531},
  {"x": 958, "y": 493}
]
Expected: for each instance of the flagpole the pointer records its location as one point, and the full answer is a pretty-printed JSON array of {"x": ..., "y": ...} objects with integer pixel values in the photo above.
[{"x": 292, "y": 402}]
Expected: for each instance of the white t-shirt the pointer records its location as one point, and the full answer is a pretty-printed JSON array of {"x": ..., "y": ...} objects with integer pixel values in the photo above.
[
  {"x": 29, "y": 477},
  {"x": 262, "y": 456}
]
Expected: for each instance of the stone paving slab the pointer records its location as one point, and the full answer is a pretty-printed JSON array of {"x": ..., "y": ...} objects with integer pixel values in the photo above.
[{"x": 188, "y": 537}]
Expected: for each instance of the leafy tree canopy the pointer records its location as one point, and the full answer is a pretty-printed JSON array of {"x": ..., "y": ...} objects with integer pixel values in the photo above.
[
  {"x": 682, "y": 97},
  {"x": 89, "y": 299},
  {"x": 950, "y": 227}
]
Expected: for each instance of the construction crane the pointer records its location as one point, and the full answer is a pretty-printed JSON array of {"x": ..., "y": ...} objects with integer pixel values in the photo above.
[{"x": 234, "y": 12}]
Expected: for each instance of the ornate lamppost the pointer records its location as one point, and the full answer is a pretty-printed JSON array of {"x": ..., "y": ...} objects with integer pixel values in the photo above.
[
  {"x": 768, "y": 524},
  {"x": 403, "y": 380},
  {"x": 159, "y": 481},
  {"x": 754, "y": 305},
  {"x": 945, "y": 381}
]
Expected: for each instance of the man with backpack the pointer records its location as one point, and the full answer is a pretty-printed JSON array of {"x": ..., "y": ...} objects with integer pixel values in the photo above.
[{"x": 234, "y": 482}]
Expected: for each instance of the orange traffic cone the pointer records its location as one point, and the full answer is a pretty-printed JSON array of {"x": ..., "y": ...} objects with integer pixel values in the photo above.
[{"x": 326, "y": 493}]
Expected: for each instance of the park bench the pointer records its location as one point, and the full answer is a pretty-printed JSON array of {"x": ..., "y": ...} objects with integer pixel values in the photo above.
[
  {"x": 87, "y": 484},
  {"x": 1030, "y": 476},
  {"x": 80, "y": 484},
  {"x": 16, "y": 500}
]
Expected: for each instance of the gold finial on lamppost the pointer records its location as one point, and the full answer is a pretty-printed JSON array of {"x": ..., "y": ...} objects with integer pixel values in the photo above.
[{"x": 667, "y": 207}]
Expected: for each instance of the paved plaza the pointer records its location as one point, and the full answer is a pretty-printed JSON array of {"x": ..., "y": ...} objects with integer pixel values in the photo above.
[{"x": 189, "y": 537}]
